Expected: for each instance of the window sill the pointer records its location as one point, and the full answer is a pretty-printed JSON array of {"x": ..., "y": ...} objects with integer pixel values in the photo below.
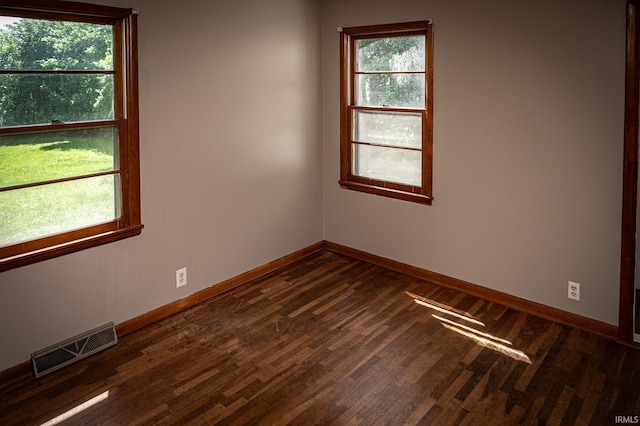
[
  {"x": 387, "y": 192},
  {"x": 34, "y": 256}
]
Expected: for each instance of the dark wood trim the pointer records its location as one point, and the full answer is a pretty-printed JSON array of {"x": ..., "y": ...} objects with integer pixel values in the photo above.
[
  {"x": 630, "y": 176},
  {"x": 387, "y": 192},
  {"x": 119, "y": 47},
  {"x": 386, "y": 109},
  {"x": 543, "y": 311},
  {"x": 59, "y": 180},
  {"x": 199, "y": 297},
  {"x": 384, "y": 184},
  {"x": 380, "y": 145},
  {"x": 43, "y": 14},
  {"x": 427, "y": 137},
  {"x": 64, "y": 248},
  {"x": 70, "y": 7},
  {"x": 53, "y": 127},
  {"x": 345, "y": 146},
  {"x": 131, "y": 178},
  {"x": 404, "y": 28}
]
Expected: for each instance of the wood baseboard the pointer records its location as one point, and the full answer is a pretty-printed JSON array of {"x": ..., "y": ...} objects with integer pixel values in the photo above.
[
  {"x": 127, "y": 327},
  {"x": 544, "y": 311},
  {"x": 553, "y": 314},
  {"x": 199, "y": 297}
]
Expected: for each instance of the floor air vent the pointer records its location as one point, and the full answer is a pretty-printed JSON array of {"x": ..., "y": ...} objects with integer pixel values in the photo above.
[{"x": 72, "y": 350}]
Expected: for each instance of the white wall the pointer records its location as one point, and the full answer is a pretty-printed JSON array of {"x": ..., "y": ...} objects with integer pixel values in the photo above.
[
  {"x": 230, "y": 103},
  {"x": 528, "y": 137}
]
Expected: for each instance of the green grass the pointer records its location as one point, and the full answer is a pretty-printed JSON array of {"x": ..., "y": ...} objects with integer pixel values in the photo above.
[
  {"x": 54, "y": 155},
  {"x": 29, "y": 213}
]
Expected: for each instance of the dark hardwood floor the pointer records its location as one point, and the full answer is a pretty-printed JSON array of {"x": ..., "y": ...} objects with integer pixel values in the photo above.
[{"x": 332, "y": 340}]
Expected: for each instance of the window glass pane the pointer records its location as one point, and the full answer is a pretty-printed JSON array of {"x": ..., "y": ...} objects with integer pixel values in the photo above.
[
  {"x": 388, "y": 164},
  {"x": 38, "y": 157},
  {"x": 27, "y": 99},
  {"x": 388, "y": 128},
  {"x": 396, "y": 90},
  {"x": 390, "y": 54},
  {"x": 37, "y": 44},
  {"x": 30, "y": 213}
]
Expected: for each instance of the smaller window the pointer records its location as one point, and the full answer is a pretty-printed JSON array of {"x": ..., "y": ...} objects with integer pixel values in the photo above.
[{"x": 386, "y": 121}]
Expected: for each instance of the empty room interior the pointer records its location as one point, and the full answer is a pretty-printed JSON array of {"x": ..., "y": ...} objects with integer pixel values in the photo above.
[{"x": 240, "y": 185}]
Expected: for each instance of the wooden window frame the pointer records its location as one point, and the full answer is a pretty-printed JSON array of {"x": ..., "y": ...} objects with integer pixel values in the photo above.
[
  {"x": 126, "y": 119},
  {"x": 348, "y": 37}
]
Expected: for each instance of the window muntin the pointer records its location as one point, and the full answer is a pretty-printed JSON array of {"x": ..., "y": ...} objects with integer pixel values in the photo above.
[
  {"x": 374, "y": 162},
  {"x": 390, "y": 71},
  {"x": 387, "y": 89},
  {"x": 387, "y": 106},
  {"x": 58, "y": 207},
  {"x": 59, "y": 154},
  {"x": 397, "y": 129},
  {"x": 69, "y": 164}
]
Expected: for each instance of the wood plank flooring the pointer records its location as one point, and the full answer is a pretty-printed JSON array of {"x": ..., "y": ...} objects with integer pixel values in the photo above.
[{"x": 333, "y": 340}]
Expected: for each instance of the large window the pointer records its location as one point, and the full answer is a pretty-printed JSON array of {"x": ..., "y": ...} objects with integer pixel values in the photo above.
[
  {"x": 387, "y": 110},
  {"x": 69, "y": 162}
]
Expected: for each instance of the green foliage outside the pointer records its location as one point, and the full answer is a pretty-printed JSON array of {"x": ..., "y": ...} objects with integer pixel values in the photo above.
[
  {"x": 391, "y": 54},
  {"x": 41, "y": 157},
  {"x": 40, "y": 45},
  {"x": 26, "y": 99}
]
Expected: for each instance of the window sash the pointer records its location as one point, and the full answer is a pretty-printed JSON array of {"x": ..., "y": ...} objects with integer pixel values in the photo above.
[{"x": 356, "y": 143}]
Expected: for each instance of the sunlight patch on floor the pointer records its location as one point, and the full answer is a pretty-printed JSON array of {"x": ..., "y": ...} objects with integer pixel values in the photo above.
[
  {"x": 443, "y": 308},
  {"x": 473, "y": 330},
  {"x": 77, "y": 409},
  {"x": 488, "y": 343},
  {"x": 486, "y": 340}
]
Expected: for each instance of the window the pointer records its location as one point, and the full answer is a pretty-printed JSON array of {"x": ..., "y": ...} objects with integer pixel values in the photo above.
[
  {"x": 69, "y": 159},
  {"x": 386, "y": 120}
]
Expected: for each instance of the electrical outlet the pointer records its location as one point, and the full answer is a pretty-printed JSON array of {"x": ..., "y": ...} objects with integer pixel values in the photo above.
[
  {"x": 181, "y": 277},
  {"x": 574, "y": 291}
]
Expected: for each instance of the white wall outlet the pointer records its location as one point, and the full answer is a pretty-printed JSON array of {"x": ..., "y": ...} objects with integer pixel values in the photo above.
[
  {"x": 574, "y": 291},
  {"x": 181, "y": 277}
]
